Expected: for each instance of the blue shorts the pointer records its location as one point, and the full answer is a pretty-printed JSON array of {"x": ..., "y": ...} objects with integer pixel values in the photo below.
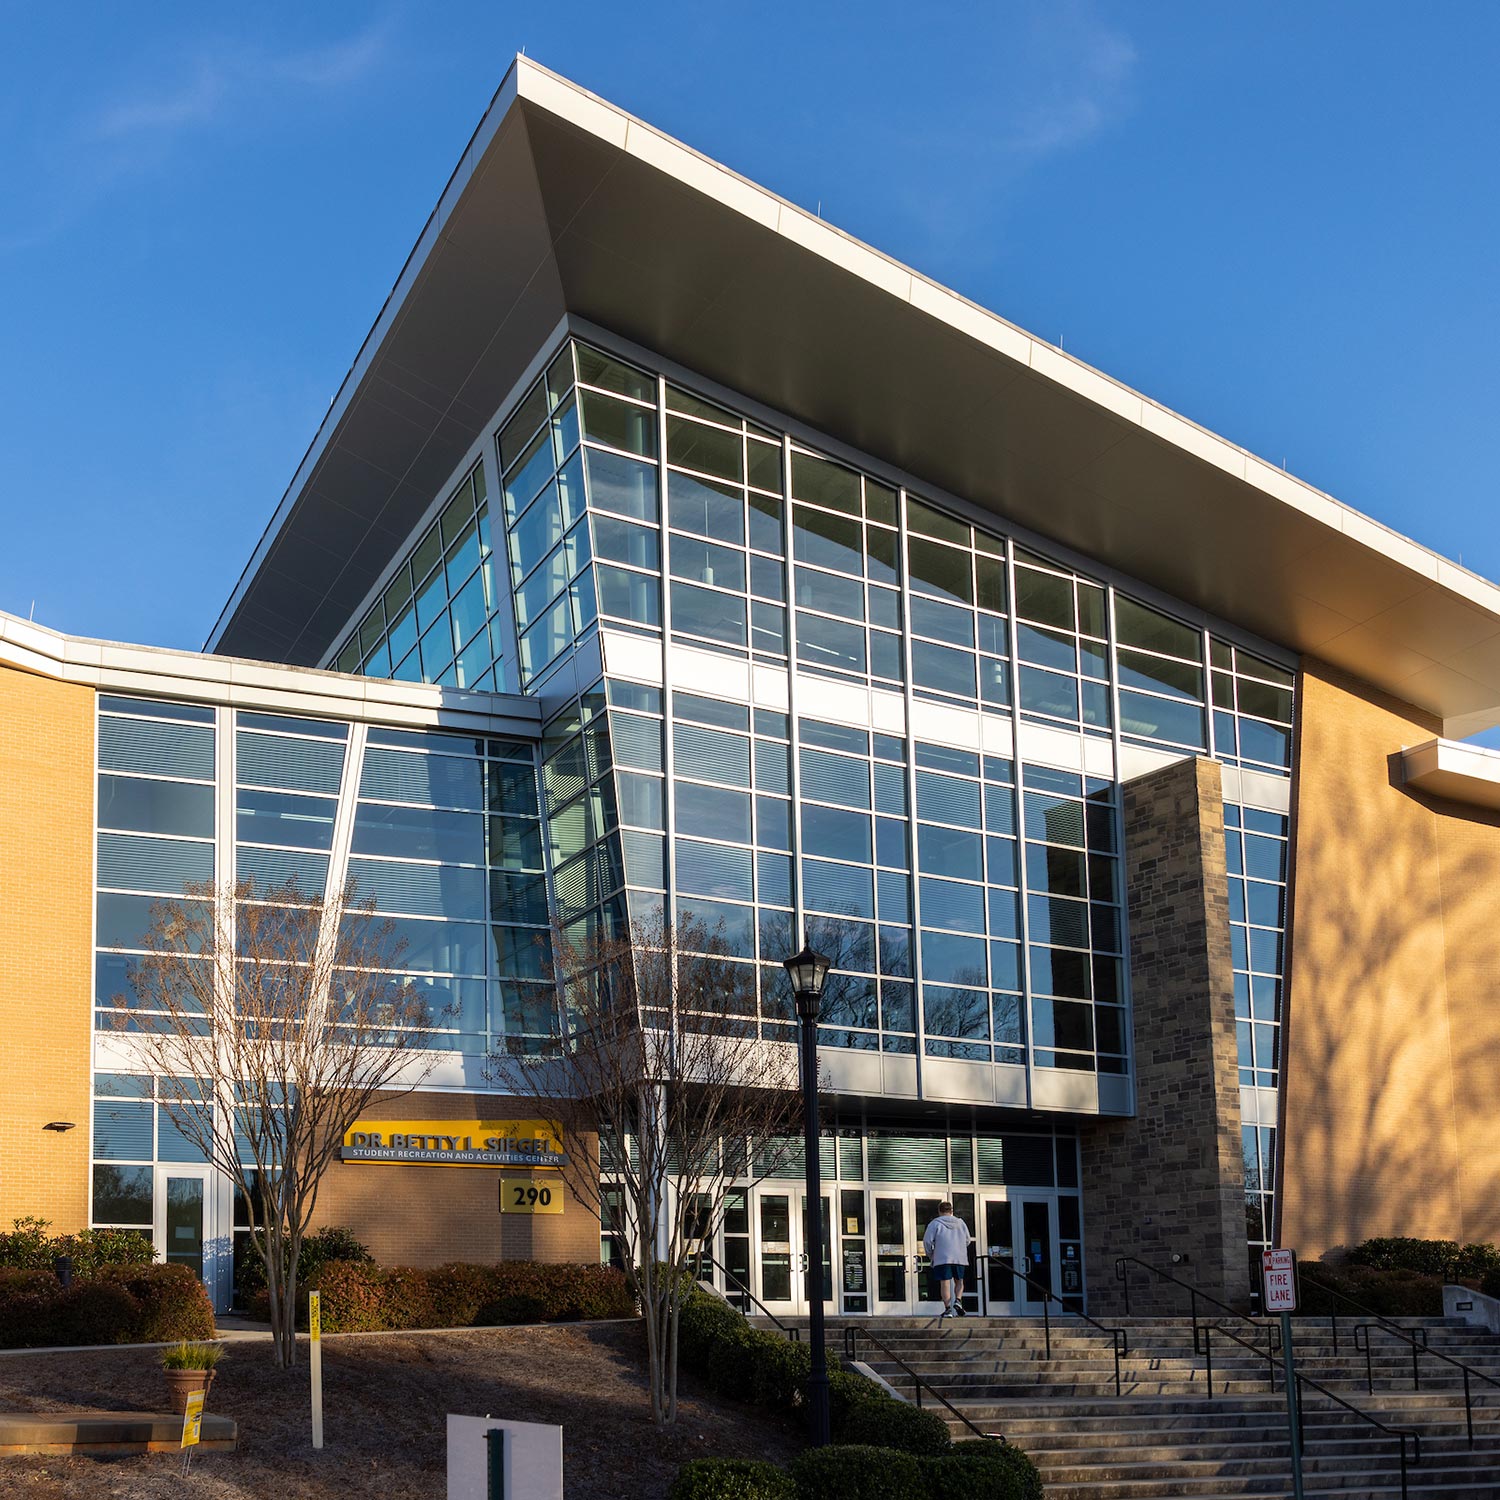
[{"x": 950, "y": 1272}]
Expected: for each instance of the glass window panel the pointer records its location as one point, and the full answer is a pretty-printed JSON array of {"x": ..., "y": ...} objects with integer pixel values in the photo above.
[
  {"x": 880, "y": 502},
  {"x": 890, "y": 843},
  {"x": 123, "y": 1195},
  {"x": 767, "y": 628},
  {"x": 1161, "y": 719},
  {"x": 943, "y": 622},
  {"x": 946, "y": 903},
  {"x": 926, "y": 521},
  {"x": 707, "y": 562},
  {"x": 882, "y": 555},
  {"x": 767, "y": 578},
  {"x": 621, "y": 541},
  {"x": 1057, "y": 971},
  {"x": 845, "y": 890},
  {"x": 551, "y": 634},
  {"x": 1139, "y": 625},
  {"x": 895, "y": 896},
  {"x": 718, "y": 617},
  {"x": 713, "y": 812},
  {"x": 1266, "y": 743},
  {"x": 544, "y": 585},
  {"x": 1059, "y": 1023},
  {"x": 599, "y": 369},
  {"x": 772, "y": 767},
  {"x": 885, "y": 608},
  {"x": 1092, "y": 613},
  {"x": 766, "y": 532},
  {"x": 824, "y": 482},
  {"x": 1055, "y": 920},
  {"x": 1048, "y": 693},
  {"x": 711, "y": 754},
  {"x": 622, "y": 485},
  {"x": 835, "y": 778},
  {"x": 1057, "y": 820},
  {"x": 940, "y": 571},
  {"x": 1265, "y": 858},
  {"x": 831, "y": 593},
  {"x": 707, "y": 449},
  {"x": 156, "y": 748},
  {"x": 534, "y": 470},
  {"x": 627, "y": 595},
  {"x": 773, "y": 823},
  {"x": 1057, "y": 870},
  {"x": 1158, "y": 675},
  {"x": 897, "y": 1004},
  {"x": 1001, "y": 854},
  {"x": 949, "y": 851},
  {"x": 989, "y": 581},
  {"x": 832, "y": 833},
  {"x": 890, "y": 789},
  {"x": 1045, "y": 598},
  {"x": 470, "y": 610},
  {"x": 714, "y": 870},
  {"x": 618, "y": 423},
  {"x": 949, "y": 959},
  {"x": 706, "y": 509},
  {"x": 170, "y": 807},
  {"x": 1046, "y": 648},
  {"x": 774, "y": 872},
  {"x": 827, "y": 541},
  {"x": 942, "y": 669},
  {"x": 1005, "y": 920},
  {"x": 285, "y": 820},
  {"x": 537, "y": 532},
  {"x": 765, "y": 464},
  {"x": 830, "y": 643},
  {"x": 947, "y": 799},
  {"x": 1265, "y": 903},
  {"x": 419, "y": 833}
]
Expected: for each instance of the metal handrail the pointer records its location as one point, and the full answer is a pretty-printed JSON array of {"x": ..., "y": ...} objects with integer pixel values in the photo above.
[
  {"x": 793, "y": 1333},
  {"x": 1122, "y": 1275},
  {"x": 1118, "y": 1337},
  {"x": 853, "y": 1332},
  {"x": 1399, "y": 1433},
  {"x": 1419, "y": 1347},
  {"x": 1209, "y": 1329}
]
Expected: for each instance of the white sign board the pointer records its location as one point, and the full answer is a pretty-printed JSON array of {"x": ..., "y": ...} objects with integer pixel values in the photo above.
[
  {"x": 1278, "y": 1275},
  {"x": 533, "y": 1459}
]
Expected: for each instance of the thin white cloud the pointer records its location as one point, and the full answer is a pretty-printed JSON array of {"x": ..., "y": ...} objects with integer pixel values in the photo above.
[{"x": 230, "y": 77}]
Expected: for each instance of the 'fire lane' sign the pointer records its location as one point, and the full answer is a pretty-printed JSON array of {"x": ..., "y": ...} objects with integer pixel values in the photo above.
[
  {"x": 1278, "y": 1270},
  {"x": 456, "y": 1143}
]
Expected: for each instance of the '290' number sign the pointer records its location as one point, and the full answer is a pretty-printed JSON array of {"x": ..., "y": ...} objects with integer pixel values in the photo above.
[{"x": 524, "y": 1195}]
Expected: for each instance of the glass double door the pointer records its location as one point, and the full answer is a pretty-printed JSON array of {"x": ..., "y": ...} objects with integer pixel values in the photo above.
[
  {"x": 183, "y": 1212},
  {"x": 1020, "y": 1235},
  {"x": 903, "y": 1279},
  {"x": 781, "y": 1250}
]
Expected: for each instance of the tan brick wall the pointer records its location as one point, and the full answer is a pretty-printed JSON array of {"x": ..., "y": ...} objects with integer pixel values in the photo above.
[
  {"x": 1391, "y": 1085},
  {"x": 46, "y": 946},
  {"x": 425, "y": 1216},
  {"x": 1171, "y": 1179}
]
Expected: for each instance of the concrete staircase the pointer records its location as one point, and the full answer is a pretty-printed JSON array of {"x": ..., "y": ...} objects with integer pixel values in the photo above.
[{"x": 1166, "y": 1435}]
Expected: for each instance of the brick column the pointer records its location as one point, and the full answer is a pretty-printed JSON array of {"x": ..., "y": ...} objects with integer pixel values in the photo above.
[{"x": 1171, "y": 1179}]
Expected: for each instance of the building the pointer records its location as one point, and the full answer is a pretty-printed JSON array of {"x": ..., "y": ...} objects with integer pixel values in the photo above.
[{"x": 666, "y": 546}]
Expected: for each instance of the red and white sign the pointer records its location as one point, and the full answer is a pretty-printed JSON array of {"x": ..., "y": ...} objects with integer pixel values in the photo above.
[{"x": 1278, "y": 1275}]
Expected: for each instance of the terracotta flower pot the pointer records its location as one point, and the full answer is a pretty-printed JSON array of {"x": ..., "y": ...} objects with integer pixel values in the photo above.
[{"x": 182, "y": 1383}]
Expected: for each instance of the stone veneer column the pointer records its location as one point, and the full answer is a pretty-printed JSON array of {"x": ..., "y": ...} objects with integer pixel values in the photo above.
[{"x": 1170, "y": 1180}]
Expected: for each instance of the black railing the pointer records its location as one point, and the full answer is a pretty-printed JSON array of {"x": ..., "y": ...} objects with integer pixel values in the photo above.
[
  {"x": 702, "y": 1259},
  {"x": 854, "y": 1332},
  {"x": 1204, "y": 1330},
  {"x": 1118, "y": 1338},
  {"x": 1400, "y": 1434}
]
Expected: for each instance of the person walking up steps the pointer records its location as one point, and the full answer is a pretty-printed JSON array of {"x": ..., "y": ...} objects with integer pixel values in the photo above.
[{"x": 947, "y": 1243}]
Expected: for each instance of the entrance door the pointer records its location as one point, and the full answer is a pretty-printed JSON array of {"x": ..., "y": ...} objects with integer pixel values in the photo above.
[
  {"x": 903, "y": 1279},
  {"x": 782, "y": 1251},
  {"x": 1020, "y": 1234},
  {"x": 182, "y": 1215}
]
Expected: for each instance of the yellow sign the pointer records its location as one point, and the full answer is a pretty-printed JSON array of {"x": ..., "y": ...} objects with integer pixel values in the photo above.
[
  {"x": 315, "y": 1315},
  {"x": 520, "y": 1195},
  {"x": 192, "y": 1421},
  {"x": 456, "y": 1143}
]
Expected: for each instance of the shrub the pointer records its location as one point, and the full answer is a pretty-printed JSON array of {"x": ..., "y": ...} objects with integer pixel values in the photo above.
[
  {"x": 858, "y": 1473},
  {"x": 1398, "y": 1253},
  {"x": 28, "y": 1303},
  {"x": 1390, "y": 1293},
  {"x": 1475, "y": 1263},
  {"x": 28, "y": 1246},
  {"x": 95, "y": 1312},
  {"x": 885, "y": 1423},
  {"x": 332, "y": 1242},
  {"x": 1022, "y": 1479},
  {"x": 358, "y": 1298},
  {"x": 732, "y": 1479},
  {"x": 173, "y": 1304}
]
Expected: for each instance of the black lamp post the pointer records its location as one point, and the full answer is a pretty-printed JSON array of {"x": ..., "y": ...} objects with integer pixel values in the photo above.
[{"x": 808, "y": 970}]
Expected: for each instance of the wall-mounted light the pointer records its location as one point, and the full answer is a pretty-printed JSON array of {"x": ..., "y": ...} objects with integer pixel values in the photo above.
[{"x": 59, "y": 1125}]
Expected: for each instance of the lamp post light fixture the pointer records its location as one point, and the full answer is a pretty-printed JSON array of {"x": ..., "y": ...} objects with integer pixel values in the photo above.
[{"x": 807, "y": 971}]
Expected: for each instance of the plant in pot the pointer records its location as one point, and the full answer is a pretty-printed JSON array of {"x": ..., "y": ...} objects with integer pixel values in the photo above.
[{"x": 189, "y": 1368}]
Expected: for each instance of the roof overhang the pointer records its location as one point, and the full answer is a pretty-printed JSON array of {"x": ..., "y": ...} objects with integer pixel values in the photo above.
[
  {"x": 564, "y": 204},
  {"x": 1455, "y": 772}
]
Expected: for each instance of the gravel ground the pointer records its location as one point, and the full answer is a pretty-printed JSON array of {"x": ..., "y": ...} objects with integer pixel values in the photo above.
[{"x": 385, "y": 1400}]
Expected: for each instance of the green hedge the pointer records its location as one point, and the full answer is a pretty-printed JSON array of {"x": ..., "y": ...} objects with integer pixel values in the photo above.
[
  {"x": 1391, "y": 1293},
  {"x": 332, "y": 1242},
  {"x": 1443, "y": 1258},
  {"x": 360, "y": 1298},
  {"x": 979, "y": 1470},
  {"x": 29, "y": 1246},
  {"x": 717, "y": 1344},
  {"x": 732, "y": 1479},
  {"x": 129, "y": 1304}
]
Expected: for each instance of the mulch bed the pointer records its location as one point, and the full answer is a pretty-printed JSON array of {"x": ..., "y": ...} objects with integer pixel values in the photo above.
[{"x": 385, "y": 1401}]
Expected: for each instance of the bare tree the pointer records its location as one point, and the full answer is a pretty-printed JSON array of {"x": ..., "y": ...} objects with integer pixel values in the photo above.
[
  {"x": 659, "y": 1058},
  {"x": 273, "y": 1020}
]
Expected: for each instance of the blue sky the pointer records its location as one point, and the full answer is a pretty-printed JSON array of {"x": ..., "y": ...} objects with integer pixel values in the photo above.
[{"x": 1278, "y": 219}]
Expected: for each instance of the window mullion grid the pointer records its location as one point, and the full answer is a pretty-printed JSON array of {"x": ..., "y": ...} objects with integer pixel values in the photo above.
[
  {"x": 664, "y": 590},
  {"x": 793, "y": 722},
  {"x": 914, "y": 894},
  {"x": 1018, "y": 777},
  {"x": 1127, "y": 1002}
]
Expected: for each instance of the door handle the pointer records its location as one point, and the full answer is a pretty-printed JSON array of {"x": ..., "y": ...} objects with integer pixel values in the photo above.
[{"x": 802, "y": 1263}]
